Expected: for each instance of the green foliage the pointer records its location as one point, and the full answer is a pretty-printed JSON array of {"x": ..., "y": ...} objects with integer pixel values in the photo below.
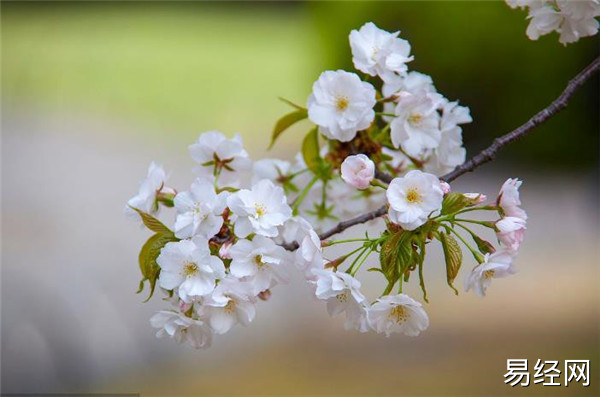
[
  {"x": 453, "y": 257},
  {"x": 485, "y": 247},
  {"x": 152, "y": 223},
  {"x": 287, "y": 121},
  {"x": 454, "y": 202},
  {"x": 151, "y": 249},
  {"x": 310, "y": 151},
  {"x": 396, "y": 255}
]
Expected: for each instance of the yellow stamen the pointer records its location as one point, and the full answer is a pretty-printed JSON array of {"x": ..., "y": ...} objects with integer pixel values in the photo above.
[
  {"x": 413, "y": 196},
  {"x": 488, "y": 274},
  {"x": 341, "y": 103},
  {"x": 399, "y": 314},
  {"x": 230, "y": 307},
  {"x": 260, "y": 210},
  {"x": 415, "y": 118},
  {"x": 343, "y": 297},
  {"x": 189, "y": 269}
]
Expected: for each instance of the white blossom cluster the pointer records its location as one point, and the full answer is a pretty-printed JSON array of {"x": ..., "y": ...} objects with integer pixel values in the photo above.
[
  {"x": 423, "y": 127},
  {"x": 243, "y": 226},
  {"x": 571, "y": 19}
]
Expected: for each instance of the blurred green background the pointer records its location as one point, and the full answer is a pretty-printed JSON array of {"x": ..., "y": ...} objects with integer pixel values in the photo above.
[
  {"x": 92, "y": 92},
  {"x": 181, "y": 68}
]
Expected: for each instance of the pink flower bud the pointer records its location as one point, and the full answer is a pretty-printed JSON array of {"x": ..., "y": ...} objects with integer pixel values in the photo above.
[
  {"x": 477, "y": 197},
  {"x": 358, "y": 171},
  {"x": 184, "y": 307},
  {"x": 224, "y": 250},
  {"x": 445, "y": 187},
  {"x": 511, "y": 231}
]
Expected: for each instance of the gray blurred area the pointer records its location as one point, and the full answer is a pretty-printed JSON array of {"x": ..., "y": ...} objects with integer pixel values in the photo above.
[
  {"x": 72, "y": 322},
  {"x": 92, "y": 93}
]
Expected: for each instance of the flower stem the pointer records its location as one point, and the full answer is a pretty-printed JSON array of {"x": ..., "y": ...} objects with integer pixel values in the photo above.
[
  {"x": 303, "y": 195},
  {"x": 478, "y": 257},
  {"x": 350, "y": 240},
  {"x": 377, "y": 183}
]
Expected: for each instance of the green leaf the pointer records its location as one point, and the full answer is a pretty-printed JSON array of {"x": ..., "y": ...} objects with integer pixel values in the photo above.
[
  {"x": 396, "y": 255},
  {"x": 152, "y": 223},
  {"x": 310, "y": 151},
  {"x": 285, "y": 122},
  {"x": 485, "y": 247},
  {"x": 147, "y": 258},
  {"x": 292, "y": 104},
  {"x": 454, "y": 202},
  {"x": 453, "y": 257},
  {"x": 420, "y": 256}
]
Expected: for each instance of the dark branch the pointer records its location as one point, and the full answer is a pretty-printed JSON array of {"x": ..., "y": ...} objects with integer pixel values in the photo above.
[
  {"x": 484, "y": 156},
  {"x": 556, "y": 106}
]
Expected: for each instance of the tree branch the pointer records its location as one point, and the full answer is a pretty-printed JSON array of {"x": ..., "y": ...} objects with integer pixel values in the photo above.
[
  {"x": 485, "y": 155},
  {"x": 556, "y": 106}
]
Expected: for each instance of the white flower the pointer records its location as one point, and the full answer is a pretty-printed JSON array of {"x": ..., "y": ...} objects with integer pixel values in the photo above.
[
  {"x": 449, "y": 154},
  {"x": 544, "y": 20},
  {"x": 232, "y": 302},
  {"x": 273, "y": 169},
  {"x": 413, "y": 198},
  {"x": 358, "y": 171},
  {"x": 145, "y": 199},
  {"x": 213, "y": 151},
  {"x": 398, "y": 313},
  {"x": 309, "y": 256},
  {"x": 260, "y": 210},
  {"x": 294, "y": 229},
  {"x": 571, "y": 19},
  {"x": 341, "y": 104},
  {"x": 414, "y": 82},
  {"x": 496, "y": 265},
  {"x": 453, "y": 114},
  {"x": 189, "y": 266},
  {"x": 199, "y": 210},
  {"x": 511, "y": 231},
  {"x": 377, "y": 52},
  {"x": 416, "y": 126},
  {"x": 260, "y": 262},
  {"x": 181, "y": 328},
  {"x": 509, "y": 200},
  {"x": 342, "y": 293}
]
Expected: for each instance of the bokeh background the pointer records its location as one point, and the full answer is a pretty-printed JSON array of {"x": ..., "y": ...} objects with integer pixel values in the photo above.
[{"x": 92, "y": 92}]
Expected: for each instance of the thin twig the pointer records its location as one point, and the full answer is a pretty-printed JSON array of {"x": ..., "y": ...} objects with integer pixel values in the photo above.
[
  {"x": 484, "y": 156},
  {"x": 556, "y": 106}
]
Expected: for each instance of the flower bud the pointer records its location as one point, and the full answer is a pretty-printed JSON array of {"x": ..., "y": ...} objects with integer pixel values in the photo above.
[
  {"x": 476, "y": 198},
  {"x": 224, "y": 250},
  {"x": 445, "y": 187},
  {"x": 264, "y": 295},
  {"x": 358, "y": 171}
]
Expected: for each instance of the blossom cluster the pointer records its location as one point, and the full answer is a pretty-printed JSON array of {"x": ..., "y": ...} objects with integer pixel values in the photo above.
[
  {"x": 571, "y": 19},
  {"x": 243, "y": 226}
]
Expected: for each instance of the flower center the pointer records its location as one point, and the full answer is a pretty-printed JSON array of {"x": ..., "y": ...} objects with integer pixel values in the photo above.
[
  {"x": 375, "y": 53},
  {"x": 399, "y": 314},
  {"x": 260, "y": 210},
  {"x": 258, "y": 260},
  {"x": 415, "y": 118},
  {"x": 189, "y": 269},
  {"x": 488, "y": 274},
  {"x": 413, "y": 196},
  {"x": 343, "y": 297},
  {"x": 230, "y": 307},
  {"x": 341, "y": 103}
]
